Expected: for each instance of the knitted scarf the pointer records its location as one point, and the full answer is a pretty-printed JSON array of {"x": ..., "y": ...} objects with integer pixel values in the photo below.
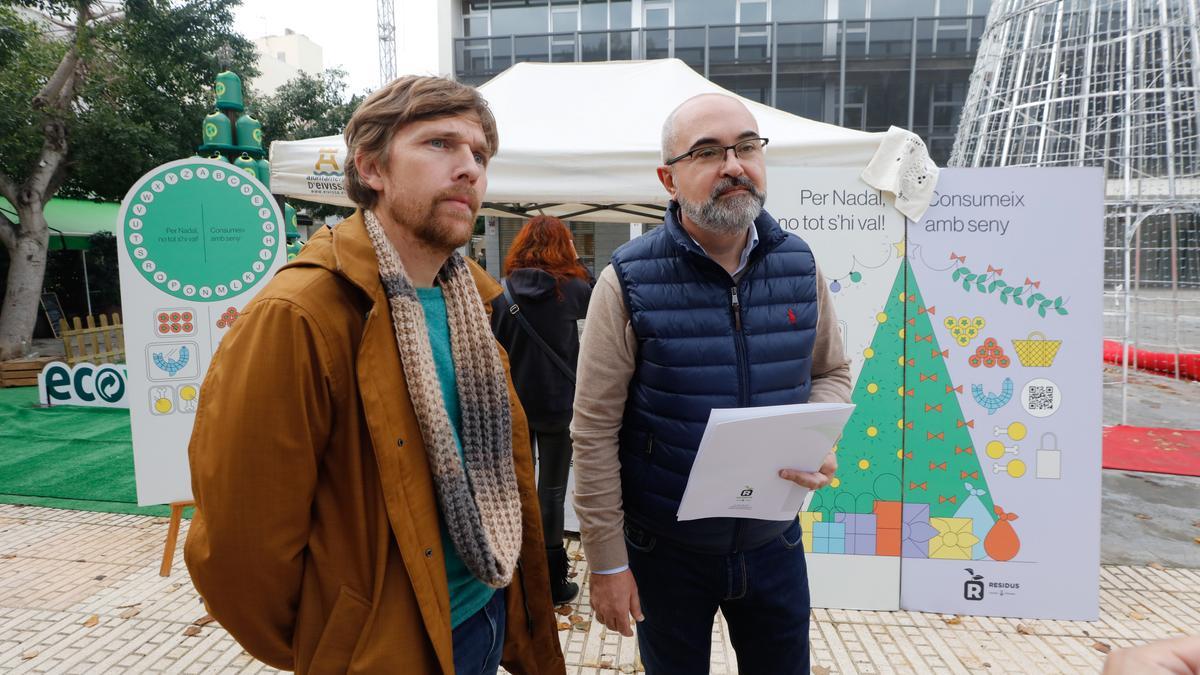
[{"x": 480, "y": 502}]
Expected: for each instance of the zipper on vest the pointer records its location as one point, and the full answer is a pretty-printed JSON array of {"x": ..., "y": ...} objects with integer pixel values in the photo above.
[{"x": 737, "y": 309}]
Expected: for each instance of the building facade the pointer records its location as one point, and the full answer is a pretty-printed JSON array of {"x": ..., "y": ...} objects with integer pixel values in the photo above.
[{"x": 283, "y": 57}]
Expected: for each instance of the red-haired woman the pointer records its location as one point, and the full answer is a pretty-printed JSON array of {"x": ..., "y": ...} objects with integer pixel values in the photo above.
[{"x": 550, "y": 288}]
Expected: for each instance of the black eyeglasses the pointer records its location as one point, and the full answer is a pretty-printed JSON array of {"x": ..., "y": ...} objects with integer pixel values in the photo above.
[{"x": 747, "y": 148}]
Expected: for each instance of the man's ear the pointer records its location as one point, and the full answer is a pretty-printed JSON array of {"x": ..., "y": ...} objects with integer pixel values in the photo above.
[
  {"x": 369, "y": 170},
  {"x": 667, "y": 179}
]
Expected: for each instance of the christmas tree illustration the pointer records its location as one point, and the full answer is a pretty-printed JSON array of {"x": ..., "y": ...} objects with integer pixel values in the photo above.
[{"x": 906, "y": 456}]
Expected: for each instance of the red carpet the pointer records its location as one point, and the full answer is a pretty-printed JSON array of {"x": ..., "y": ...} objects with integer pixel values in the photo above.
[
  {"x": 1155, "y": 362},
  {"x": 1174, "y": 451}
]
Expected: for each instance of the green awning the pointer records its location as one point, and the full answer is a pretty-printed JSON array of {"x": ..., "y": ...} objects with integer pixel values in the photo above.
[{"x": 72, "y": 221}]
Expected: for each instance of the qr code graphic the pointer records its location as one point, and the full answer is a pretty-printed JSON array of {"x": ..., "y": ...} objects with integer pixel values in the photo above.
[{"x": 1041, "y": 398}]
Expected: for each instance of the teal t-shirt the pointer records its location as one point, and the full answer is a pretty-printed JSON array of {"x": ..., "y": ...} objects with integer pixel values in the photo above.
[{"x": 467, "y": 594}]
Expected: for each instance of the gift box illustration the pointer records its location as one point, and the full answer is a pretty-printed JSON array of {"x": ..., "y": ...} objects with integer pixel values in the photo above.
[
  {"x": 829, "y": 538},
  {"x": 860, "y": 532}
]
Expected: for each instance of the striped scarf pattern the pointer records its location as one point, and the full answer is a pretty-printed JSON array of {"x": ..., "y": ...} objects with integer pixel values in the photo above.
[{"x": 482, "y": 512}]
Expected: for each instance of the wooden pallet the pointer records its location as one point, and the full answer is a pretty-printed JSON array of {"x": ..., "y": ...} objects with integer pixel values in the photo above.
[{"x": 22, "y": 372}]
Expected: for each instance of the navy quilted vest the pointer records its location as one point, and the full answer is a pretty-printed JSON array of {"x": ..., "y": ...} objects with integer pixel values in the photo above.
[{"x": 705, "y": 342}]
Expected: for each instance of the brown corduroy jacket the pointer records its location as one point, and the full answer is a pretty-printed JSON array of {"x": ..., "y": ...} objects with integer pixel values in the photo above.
[{"x": 315, "y": 540}]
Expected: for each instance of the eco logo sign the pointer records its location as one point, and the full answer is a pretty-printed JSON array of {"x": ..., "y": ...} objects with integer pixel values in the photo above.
[
  {"x": 973, "y": 587},
  {"x": 84, "y": 384}
]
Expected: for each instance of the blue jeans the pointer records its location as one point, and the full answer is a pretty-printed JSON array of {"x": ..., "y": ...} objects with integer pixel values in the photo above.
[
  {"x": 479, "y": 641},
  {"x": 763, "y": 594}
]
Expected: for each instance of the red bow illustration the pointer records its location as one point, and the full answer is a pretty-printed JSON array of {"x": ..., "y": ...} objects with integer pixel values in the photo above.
[
  {"x": 1005, "y": 516},
  {"x": 935, "y": 465},
  {"x": 912, "y": 322},
  {"x": 908, "y": 425},
  {"x": 969, "y": 423},
  {"x": 961, "y": 451},
  {"x": 937, "y": 407},
  {"x": 945, "y": 353},
  {"x": 1031, "y": 282},
  {"x": 931, "y": 378},
  {"x": 969, "y": 474},
  {"x": 997, "y": 270},
  {"x": 941, "y": 436},
  {"x": 950, "y": 389},
  {"x": 909, "y": 392},
  {"x": 927, "y": 338},
  {"x": 952, "y": 500},
  {"x": 914, "y": 486},
  {"x": 923, "y": 310},
  {"x": 912, "y": 362},
  {"x": 908, "y": 455},
  {"x": 960, "y": 258}
]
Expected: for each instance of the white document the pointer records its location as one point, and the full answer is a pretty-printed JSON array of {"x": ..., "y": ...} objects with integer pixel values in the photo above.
[{"x": 736, "y": 473}]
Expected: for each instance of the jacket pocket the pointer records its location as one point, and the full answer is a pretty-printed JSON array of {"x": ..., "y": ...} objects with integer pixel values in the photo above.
[
  {"x": 793, "y": 536},
  {"x": 341, "y": 634}
]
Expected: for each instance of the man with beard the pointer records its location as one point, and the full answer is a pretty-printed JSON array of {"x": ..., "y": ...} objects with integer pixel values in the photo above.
[
  {"x": 360, "y": 463},
  {"x": 718, "y": 308}
]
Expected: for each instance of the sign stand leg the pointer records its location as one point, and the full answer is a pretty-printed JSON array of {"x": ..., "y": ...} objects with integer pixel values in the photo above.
[{"x": 172, "y": 536}]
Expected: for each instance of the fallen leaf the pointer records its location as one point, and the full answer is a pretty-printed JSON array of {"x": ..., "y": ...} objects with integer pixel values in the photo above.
[
  {"x": 1156, "y": 566},
  {"x": 1142, "y": 516},
  {"x": 953, "y": 621},
  {"x": 1101, "y": 647},
  {"x": 25, "y": 656},
  {"x": 820, "y": 670},
  {"x": 98, "y": 578},
  {"x": 575, "y": 618},
  {"x": 1137, "y": 616},
  {"x": 91, "y": 621},
  {"x": 204, "y": 620},
  {"x": 191, "y": 631},
  {"x": 606, "y": 663},
  {"x": 582, "y": 626},
  {"x": 572, "y": 575},
  {"x": 577, "y": 556},
  {"x": 1196, "y": 523},
  {"x": 565, "y": 610},
  {"x": 1024, "y": 630},
  {"x": 1197, "y": 540},
  {"x": 628, "y": 669},
  {"x": 132, "y": 604},
  {"x": 129, "y": 613},
  {"x": 8, "y": 556},
  {"x": 563, "y": 625}
]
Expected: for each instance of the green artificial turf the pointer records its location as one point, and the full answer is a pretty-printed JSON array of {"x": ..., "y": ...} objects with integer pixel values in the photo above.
[{"x": 66, "y": 457}]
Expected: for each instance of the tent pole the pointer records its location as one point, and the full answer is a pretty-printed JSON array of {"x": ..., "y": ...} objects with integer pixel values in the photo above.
[{"x": 87, "y": 290}]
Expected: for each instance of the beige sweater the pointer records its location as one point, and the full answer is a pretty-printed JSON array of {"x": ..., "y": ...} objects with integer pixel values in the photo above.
[{"x": 608, "y": 350}]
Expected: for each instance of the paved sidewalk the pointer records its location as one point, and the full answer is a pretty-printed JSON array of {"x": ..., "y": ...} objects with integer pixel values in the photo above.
[{"x": 80, "y": 593}]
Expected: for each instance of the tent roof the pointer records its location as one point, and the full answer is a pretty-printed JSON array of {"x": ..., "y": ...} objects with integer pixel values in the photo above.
[
  {"x": 72, "y": 221},
  {"x": 579, "y": 136}
]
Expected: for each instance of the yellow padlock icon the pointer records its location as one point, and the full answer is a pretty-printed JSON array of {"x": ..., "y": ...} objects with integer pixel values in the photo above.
[{"x": 1049, "y": 457}]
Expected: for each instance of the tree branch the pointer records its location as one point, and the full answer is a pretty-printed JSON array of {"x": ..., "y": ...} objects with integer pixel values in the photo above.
[
  {"x": 62, "y": 75},
  {"x": 8, "y": 232}
]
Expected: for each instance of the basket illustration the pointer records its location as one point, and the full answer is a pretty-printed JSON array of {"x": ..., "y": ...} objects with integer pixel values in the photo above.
[{"x": 1036, "y": 351}]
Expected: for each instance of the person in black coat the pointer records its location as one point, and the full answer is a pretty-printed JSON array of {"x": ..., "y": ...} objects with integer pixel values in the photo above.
[{"x": 550, "y": 288}]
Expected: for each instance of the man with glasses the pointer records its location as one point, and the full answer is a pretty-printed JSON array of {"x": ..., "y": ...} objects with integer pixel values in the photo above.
[{"x": 718, "y": 308}]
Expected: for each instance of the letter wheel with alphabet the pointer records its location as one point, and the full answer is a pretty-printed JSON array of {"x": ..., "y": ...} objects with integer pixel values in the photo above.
[{"x": 200, "y": 231}]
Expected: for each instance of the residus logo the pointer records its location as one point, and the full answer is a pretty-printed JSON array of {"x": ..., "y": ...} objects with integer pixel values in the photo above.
[
  {"x": 975, "y": 588},
  {"x": 746, "y": 494},
  {"x": 84, "y": 384}
]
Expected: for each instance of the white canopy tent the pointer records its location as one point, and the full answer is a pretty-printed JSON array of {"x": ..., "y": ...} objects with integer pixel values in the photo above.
[{"x": 582, "y": 140}]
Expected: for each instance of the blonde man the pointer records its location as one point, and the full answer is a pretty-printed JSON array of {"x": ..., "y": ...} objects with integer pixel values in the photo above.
[{"x": 361, "y": 465}]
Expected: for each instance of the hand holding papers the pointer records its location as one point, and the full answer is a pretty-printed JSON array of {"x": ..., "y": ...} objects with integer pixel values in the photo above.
[{"x": 736, "y": 472}]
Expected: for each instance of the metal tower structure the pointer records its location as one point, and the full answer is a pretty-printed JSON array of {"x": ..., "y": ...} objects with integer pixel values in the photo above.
[
  {"x": 1114, "y": 84},
  {"x": 386, "y": 15}
]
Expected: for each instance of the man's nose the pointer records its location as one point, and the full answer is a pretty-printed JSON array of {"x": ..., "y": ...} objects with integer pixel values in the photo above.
[
  {"x": 731, "y": 165},
  {"x": 466, "y": 168}
]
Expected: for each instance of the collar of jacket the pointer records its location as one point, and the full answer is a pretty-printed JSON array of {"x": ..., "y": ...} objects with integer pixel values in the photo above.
[
  {"x": 353, "y": 258},
  {"x": 770, "y": 234}
]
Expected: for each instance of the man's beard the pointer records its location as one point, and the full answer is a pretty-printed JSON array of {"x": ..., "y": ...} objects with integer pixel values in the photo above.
[
  {"x": 728, "y": 216},
  {"x": 440, "y": 233}
]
